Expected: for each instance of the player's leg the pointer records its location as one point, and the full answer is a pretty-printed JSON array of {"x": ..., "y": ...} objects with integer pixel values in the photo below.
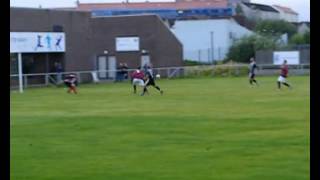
[
  {"x": 134, "y": 89},
  {"x": 158, "y": 88},
  {"x": 279, "y": 84},
  {"x": 286, "y": 84},
  {"x": 69, "y": 86},
  {"x": 280, "y": 81},
  {"x": 253, "y": 79},
  {"x": 145, "y": 90},
  {"x": 74, "y": 89},
  {"x": 250, "y": 78}
]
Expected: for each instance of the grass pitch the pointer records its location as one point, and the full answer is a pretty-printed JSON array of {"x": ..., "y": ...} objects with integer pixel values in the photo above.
[{"x": 200, "y": 129}]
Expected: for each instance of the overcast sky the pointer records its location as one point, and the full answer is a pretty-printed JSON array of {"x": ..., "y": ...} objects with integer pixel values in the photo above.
[{"x": 300, "y": 6}]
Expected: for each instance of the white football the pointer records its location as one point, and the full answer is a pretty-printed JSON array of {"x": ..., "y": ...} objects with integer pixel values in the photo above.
[{"x": 158, "y": 76}]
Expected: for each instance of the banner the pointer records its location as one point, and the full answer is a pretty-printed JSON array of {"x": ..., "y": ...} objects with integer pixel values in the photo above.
[
  {"x": 37, "y": 42},
  {"x": 127, "y": 44},
  {"x": 292, "y": 57}
]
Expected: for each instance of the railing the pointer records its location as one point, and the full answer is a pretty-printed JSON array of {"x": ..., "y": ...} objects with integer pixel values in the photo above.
[{"x": 46, "y": 79}]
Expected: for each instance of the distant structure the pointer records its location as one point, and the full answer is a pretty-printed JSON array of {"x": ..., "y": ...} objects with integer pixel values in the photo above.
[
  {"x": 186, "y": 17},
  {"x": 256, "y": 12},
  {"x": 287, "y": 13}
]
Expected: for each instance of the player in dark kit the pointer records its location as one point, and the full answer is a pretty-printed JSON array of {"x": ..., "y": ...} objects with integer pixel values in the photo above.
[
  {"x": 71, "y": 82},
  {"x": 252, "y": 70},
  {"x": 137, "y": 78},
  {"x": 149, "y": 81},
  {"x": 283, "y": 75}
]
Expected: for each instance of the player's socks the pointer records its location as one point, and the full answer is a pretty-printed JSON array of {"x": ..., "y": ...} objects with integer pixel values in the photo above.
[
  {"x": 134, "y": 89},
  {"x": 279, "y": 85}
]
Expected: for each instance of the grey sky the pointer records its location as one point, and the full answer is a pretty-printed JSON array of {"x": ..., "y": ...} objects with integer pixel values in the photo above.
[{"x": 300, "y": 6}]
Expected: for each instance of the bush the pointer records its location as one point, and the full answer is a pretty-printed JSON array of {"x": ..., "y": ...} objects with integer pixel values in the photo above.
[
  {"x": 215, "y": 71},
  {"x": 192, "y": 63},
  {"x": 298, "y": 39}
]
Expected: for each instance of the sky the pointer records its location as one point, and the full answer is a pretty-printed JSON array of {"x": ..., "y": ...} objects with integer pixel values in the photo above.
[{"x": 300, "y": 6}]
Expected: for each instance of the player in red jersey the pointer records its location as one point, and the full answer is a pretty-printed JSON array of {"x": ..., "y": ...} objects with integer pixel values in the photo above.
[
  {"x": 283, "y": 75},
  {"x": 137, "y": 78}
]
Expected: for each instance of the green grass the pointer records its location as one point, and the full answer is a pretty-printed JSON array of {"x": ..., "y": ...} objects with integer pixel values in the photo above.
[{"x": 200, "y": 129}]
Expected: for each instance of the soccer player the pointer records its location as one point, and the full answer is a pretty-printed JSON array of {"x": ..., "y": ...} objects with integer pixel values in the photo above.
[
  {"x": 252, "y": 70},
  {"x": 150, "y": 81},
  {"x": 137, "y": 78},
  {"x": 283, "y": 75},
  {"x": 71, "y": 82}
]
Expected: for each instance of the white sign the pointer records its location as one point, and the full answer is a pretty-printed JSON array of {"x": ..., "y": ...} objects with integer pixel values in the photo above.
[
  {"x": 37, "y": 42},
  {"x": 292, "y": 57},
  {"x": 127, "y": 44}
]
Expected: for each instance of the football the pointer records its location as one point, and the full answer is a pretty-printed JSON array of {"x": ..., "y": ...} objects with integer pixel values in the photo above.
[{"x": 158, "y": 76}]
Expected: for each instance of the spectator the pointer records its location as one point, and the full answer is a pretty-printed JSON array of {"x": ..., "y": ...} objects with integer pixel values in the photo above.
[
  {"x": 125, "y": 70},
  {"x": 119, "y": 73},
  {"x": 58, "y": 70}
]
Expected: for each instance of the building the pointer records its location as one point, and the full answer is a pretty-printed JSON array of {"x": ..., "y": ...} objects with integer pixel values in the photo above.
[
  {"x": 95, "y": 43},
  {"x": 256, "y": 12},
  {"x": 208, "y": 40},
  {"x": 302, "y": 27},
  {"x": 287, "y": 14},
  {"x": 166, "y": 10},
  {"x": 184, "y": 17}
]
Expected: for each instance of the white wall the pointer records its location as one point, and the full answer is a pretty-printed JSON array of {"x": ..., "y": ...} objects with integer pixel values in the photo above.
[{"x": 196, "y": 38}]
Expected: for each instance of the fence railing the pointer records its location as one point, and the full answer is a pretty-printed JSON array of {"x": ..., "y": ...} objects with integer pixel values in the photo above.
[{"x": 46, "y": 79}]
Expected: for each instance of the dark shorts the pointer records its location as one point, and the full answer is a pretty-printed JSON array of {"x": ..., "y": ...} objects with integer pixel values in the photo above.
[
  {"x": 69, "y": 84},
  {"x": 252, "y": 75},
  {"x": 151, "y": 82}
]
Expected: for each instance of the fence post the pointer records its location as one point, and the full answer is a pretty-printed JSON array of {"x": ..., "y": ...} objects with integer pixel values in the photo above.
[
  {"x": 25, "y": 77},
  {"x": 168, "y": 73},
  {"x": 46, "y": 79},
  {"x": 79, "y": 77}
]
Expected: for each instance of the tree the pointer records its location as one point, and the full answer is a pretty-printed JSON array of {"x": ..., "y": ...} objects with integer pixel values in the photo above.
[
  {"x": 245, "y": 48},
  {"x": 298, "y": 39},
  {"x": 275, "y": 27}
]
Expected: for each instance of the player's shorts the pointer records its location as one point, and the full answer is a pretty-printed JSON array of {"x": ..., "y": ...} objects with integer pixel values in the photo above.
[
  {"x": 138, "y": 82},
  {"x": 251, "y": 75},
  {"x": 151, "y": 82},
  {"x": 282, "y": 79}
]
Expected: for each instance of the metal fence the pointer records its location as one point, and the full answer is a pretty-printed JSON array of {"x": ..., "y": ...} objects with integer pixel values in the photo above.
[
  {"x": 206, "y": 55},
  {"x": 46, "y": 79}
]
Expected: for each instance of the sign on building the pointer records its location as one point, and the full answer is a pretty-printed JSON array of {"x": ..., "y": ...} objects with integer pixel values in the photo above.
[
  {"x": 127, "y": 44},
  {"x": 37, "y": 42},
  {"x": 292, "y": 57}
]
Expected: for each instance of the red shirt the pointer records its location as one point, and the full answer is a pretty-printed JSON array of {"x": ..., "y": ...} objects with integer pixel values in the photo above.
[
  {"x": 137, "y": 74},
  {"x": 284, "y": 70}
]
